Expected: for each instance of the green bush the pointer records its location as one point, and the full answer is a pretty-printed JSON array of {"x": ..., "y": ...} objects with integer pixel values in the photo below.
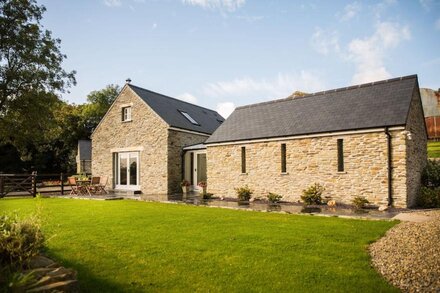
[
  {"x": 359, "y": 202},
  {"x": 313, "y": 194},
  {"x": 244, "y": 193},
  {"x": 429, "y": 197},
  {"x": 19, "y": 239},
  {"x": 273, "y": 197},
  {"x": 431, "y": 174}
]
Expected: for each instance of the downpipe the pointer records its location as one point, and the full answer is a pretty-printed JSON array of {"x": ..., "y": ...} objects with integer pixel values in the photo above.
[{"x": 390, "y": 167}]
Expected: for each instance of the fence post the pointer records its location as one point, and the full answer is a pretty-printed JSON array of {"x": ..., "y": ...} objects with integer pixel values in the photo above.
[
  {"x": 34, "y": 183},
  {"x": 2, "y": 187},
  {"x": 62, "y": 183}
]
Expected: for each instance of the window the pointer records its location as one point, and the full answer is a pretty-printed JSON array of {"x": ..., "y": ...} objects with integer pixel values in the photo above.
[
  {"x": 126, "y": 114},
  {"x": 190, "y": 119},
  {"x": 283, "y": 158},
  {"x": 340, "y": 155},
  {"x": 243, "y": 160}
]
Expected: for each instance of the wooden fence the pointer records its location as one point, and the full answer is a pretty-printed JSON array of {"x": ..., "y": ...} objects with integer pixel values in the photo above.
[{"x": 32, "y": 184}]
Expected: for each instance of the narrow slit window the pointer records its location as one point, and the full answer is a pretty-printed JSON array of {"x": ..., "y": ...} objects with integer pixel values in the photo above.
[
  {"x": 283, "y": 158},
  {"x": 243, "y": 159},
  {"x": 190, "y": 119},
  {"x": 340, "y": 155},
  {"x": 126, "y": 114}
]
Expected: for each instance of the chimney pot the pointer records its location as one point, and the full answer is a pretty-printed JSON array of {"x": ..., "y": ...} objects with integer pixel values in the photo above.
[{"x": 128, "y": 80}]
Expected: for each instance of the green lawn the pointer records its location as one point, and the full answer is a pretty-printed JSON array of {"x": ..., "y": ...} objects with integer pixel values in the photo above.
[
  {"x": 139, "y": 246},
  {"x": 433, "y": 149}
]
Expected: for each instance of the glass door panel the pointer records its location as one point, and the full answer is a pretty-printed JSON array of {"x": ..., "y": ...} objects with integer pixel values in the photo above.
[
  {"x": 201, "y": 168},
  {"x": 127, "y": 170},
  {"x": 133, "y": 170}
]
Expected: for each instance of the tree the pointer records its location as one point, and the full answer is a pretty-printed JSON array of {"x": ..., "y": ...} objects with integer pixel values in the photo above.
[
  {"x": 98, "y": 104},
  {"x": 31, "y": 75}
]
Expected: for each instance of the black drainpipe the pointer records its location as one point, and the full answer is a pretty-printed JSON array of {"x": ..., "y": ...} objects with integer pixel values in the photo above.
[{"x": 390, "y": 168}]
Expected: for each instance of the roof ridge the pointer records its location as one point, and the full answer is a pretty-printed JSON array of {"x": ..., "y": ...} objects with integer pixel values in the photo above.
[
  {"x": 165, "y": 96},
  {"x": 329, "y": 91}
]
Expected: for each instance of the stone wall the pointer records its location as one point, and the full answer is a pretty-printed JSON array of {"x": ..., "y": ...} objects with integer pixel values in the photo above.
[
  {"x": 311, "y": 160},
  {"x": 146, "y": 131},
  {"x": 176, "y": 141},
  {"x": 416, "y": 149}
]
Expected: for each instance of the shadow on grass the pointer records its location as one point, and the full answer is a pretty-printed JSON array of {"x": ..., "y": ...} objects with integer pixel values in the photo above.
[{"x": 89, "y": 282}]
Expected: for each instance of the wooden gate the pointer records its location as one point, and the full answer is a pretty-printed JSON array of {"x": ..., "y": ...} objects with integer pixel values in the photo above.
[{"x": 24, "y": 183}]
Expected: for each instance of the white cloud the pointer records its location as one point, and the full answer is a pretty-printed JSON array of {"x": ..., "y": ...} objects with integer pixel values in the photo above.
[
  {"x": 112, "y": 3},
  {"x": 381, "y": 7},
  {"x": 249, "y": 18},
  {"x": 154, "y": 26},
  {"x": 227, "y": 5},
  {"x": 225, "y": 109},
  {"x": 437, "y": 24},
  {"x": 368, "y": 53},
  {"x": 325, "y": 41},
  {"x": 426, "y": 4},
  {"x": 187, "y": 98},
  {"x": 264, "y": 89},
  {"x": 350, "y": 11}
]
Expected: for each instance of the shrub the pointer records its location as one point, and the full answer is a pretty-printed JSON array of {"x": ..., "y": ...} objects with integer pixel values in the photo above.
[
  {"x": 19, "y": 239},
  {"x": 429, "y": 198},
  {"x": 431, "y": 174},
  {"x": 273, "y": 197},
  {"x": 244, "y": 193},
  {"x": 207, "y": 195},
  {"x": 312, "y": 195},
  {"x": 359, "y": 202}
]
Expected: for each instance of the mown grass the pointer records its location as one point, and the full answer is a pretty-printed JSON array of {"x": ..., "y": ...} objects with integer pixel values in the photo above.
[
  {"x": 120, "y": 246},
  {"x": 433, "y": 149}
]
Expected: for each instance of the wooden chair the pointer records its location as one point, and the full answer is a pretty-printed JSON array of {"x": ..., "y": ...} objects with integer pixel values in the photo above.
[
  {"x": 75, "y": 189},
  {"x": 102, "y": 184},
  {"x": 94, "y": 185}
]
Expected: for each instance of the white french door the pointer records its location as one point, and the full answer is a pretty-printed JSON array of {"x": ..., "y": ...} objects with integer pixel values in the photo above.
[
  {"x": 199, "y": 169},
  {"x": 127, "y": 171}
]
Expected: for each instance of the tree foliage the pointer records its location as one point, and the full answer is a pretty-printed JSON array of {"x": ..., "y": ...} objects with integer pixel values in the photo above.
[
  {"x": 31, "y": 75},
  {"x": 98, "y": 104}
]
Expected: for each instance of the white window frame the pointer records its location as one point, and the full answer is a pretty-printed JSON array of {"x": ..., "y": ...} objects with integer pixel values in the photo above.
[
  {"x": 126, "y": 114},
  {"x": 127, "y": 156}
]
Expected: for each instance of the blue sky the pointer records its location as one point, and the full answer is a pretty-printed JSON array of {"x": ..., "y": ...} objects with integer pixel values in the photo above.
[{"x": 225, "y": 53}]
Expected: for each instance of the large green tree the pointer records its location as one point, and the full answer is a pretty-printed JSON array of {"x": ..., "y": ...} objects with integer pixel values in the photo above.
[
  {"x": 31, "y": 75},
  {"x": 98, "y": 104}
]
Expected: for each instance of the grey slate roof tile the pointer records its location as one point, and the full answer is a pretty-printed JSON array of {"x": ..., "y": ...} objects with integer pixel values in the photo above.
[
  {"x": 169, "y": 110},
  {"x": 372, "y": 105}
]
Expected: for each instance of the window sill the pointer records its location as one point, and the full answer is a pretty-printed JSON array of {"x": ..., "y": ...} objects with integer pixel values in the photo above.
[
  {"x": 125, "y": 121},
  {"x": 243, "y": 174},
  {"x": 342, "y": 172},
  {"x": 284, "y": 173}
]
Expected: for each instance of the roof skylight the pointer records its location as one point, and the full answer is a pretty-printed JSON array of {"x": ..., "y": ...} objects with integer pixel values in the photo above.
[{"x": 190, "y": 119}]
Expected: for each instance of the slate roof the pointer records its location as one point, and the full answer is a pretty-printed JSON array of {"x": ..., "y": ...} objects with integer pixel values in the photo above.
[
  {"x": 379, "y": 104},
  {"x": 169, "y": 110}
]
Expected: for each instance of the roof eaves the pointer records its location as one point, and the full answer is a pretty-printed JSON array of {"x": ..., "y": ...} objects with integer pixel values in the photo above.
[{"x": 303, "y": 134}]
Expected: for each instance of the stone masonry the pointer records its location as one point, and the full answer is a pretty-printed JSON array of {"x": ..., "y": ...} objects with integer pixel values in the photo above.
[
  {"x": 177, "y": 140},
  {"x": 159, "y": 147},
  {"x": 311, "y": 160},
  {"x": 416, "y": 149},
  {"x": 147, "y": 131}
]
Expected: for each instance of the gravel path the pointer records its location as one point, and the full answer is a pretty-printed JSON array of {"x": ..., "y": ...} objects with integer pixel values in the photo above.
[{"x": 409, "y": 254}]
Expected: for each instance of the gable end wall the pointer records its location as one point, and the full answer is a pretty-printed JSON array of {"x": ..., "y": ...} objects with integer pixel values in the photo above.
[
  {"x": 416, "y": 148},
  {"x": 146, "y": 130}
]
